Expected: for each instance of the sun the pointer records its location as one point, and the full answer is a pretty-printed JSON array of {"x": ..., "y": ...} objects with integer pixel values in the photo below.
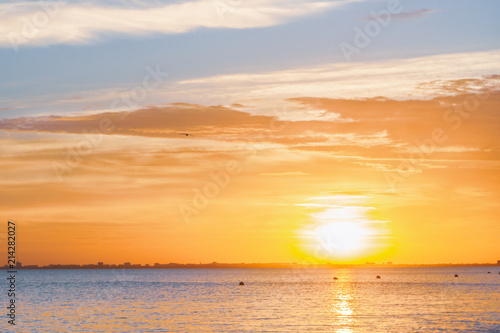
[
  {"x": 341, "y": 229},
  {"x": 343, "y": 237}
]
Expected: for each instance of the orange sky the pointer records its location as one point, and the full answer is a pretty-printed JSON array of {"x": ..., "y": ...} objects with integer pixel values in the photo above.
[{"x": 419, "y": 176}]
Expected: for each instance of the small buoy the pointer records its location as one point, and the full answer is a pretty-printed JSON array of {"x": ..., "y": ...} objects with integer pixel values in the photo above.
[
  {"x": 335, "y": 278},
  {"x": 378, "y": 276},
  {"x": 456, "y": 275},
  {"x": 242, "y": 284}
]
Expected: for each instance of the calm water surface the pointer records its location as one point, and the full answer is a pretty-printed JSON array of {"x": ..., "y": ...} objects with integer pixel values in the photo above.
[{"x": 272, "y": 300}]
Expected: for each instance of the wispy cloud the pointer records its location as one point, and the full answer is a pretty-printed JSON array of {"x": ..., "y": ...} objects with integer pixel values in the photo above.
[
  {"x": 488, "y": 82},
  {"x": 393, "y": 127},
  {"x": 284, "y": 174},
  {"x": 264, "y": 92},
  {"x": 446, "y": 149},
  {"x": 416, "y": 13},
  {"x": 395, "y": 78},
  {"x": 29, "y": 23}
]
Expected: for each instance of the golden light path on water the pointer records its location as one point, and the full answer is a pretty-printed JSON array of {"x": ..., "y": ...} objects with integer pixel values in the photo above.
[
  {"x": 343, "y": 304},
  {"x": 340, "y": 229}
]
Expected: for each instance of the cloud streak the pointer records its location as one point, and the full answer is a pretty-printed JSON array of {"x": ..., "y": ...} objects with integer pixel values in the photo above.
[
  {"x": 29, "y": 23},
  {"x": 393, "y": 127},
  {"x": 421, "y": 77},
  {"x": 399, "y": 78},
  {"x": 417, "y": 13}
]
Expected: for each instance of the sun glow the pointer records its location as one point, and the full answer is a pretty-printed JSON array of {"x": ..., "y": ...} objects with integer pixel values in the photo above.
[
  {"x": 342, "y": 236},
  {"x": 342, "y": 229}
]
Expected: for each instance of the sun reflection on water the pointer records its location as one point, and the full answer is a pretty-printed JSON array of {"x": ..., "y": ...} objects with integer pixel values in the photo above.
[{"x": 343, "y": 305}]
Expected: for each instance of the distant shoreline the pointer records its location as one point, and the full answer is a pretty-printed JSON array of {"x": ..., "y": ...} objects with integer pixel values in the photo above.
[{"x": 241, "y": 265}]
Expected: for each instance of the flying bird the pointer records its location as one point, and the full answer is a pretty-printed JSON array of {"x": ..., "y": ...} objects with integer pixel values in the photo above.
[{"x": 186, "y": 134}]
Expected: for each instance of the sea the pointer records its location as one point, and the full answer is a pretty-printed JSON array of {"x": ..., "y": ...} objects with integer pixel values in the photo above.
[{"x": 420, "y": 299}]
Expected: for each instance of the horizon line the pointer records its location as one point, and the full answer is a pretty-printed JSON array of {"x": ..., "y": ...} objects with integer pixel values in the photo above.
[{"x": 214, "y": 264}]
